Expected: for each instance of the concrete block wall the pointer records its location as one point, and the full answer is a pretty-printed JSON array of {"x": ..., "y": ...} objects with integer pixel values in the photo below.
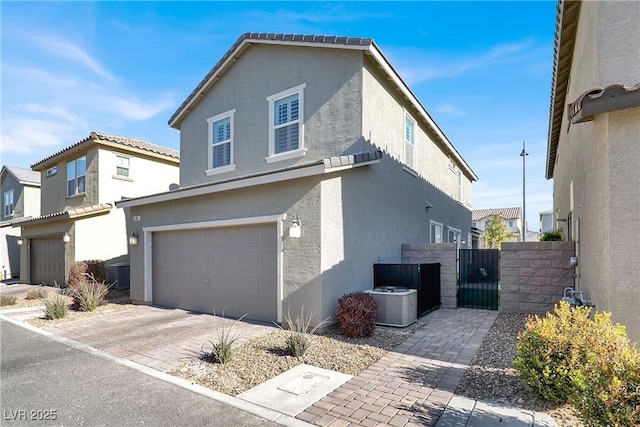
[
  {"x": 533, "y": 275},
  {"x": 443, "y": 253}
]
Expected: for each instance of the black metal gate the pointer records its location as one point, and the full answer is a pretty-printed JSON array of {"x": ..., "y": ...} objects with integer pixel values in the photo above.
[
  {"x": 479, "y": 274},
  {"x": 425, "y": 278}
]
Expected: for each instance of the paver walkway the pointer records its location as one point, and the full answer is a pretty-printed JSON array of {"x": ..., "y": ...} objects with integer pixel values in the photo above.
[
  {"x": 161, "y": 338},
  {"x": 413, "y": 384}
]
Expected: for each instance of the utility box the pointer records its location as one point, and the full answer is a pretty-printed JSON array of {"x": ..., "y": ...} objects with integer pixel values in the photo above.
[
  {"x": 396, "y": 305},
  {"x": 119, "y": 275}
]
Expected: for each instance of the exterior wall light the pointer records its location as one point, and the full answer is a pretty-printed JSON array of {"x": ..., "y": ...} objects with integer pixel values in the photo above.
[
  {"x": 66, "y": 238},
  {"x": 133, "y": 239},
  {"x": 20, "y": 241},
  {"x": 295, "y": 231}
]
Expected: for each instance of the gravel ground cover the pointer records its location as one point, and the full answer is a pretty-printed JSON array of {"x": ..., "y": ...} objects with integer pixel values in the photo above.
[{"x": 491, "y": 376}]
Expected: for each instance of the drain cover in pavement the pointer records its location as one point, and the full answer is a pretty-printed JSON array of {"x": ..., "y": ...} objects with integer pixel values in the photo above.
[{"x": 302, "y": 384}]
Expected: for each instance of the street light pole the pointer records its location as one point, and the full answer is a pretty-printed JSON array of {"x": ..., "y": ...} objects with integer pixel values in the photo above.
[{"x": 524, "y": 155}]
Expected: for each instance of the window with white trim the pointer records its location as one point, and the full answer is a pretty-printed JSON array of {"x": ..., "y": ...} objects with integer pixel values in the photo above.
[
  {"x": 122, "y": 165},
  {"x": 409, "y": 141},
  {"x": 459, "y": 185},
  {"x": 286, "y": 115},
  {"x": 436, "y": 232},
  {"x": 76, "y": 180},
  {"x": 52, "y": 171},
  {"x": 221, "y": 132},
  {"x": 8, "y": 203}
]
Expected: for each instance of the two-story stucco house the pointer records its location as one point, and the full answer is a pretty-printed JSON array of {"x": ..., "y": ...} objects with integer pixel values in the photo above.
[
  {"x": 20, "y": 189},
  {"x": 80, "y": 185},
  {"x": 512, "y": 218},
  {"x": 593, "y": 151},
  {"x": 304, "y": 161}
]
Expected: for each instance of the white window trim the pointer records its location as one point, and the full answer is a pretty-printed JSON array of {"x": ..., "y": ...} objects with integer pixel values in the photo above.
[
  {"x": 405, "y": 141},
  {"x": 431, "y": 224},
  {"x": 52, "y": 171},
  {"x": 460, "y": 184},
  {"x": 231, "y": 166},
  {"x": 300, "y": 151},
  {"x": 4, "y": 204}
]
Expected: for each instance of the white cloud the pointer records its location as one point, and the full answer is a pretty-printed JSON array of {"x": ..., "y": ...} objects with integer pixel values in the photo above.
[
  {"x": 119, "y": 24},
  {"x": 449, "y": 109},
  {"x": 29, "y": 135}
]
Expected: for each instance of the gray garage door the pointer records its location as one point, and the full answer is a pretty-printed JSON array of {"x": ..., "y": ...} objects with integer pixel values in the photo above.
[
  {"x": 231, "y": 269},
  {"x": 47, "y": 261}
]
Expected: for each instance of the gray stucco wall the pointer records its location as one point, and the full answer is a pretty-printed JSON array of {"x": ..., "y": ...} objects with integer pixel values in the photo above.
[
  {"x": 597, "y": 171},
  {"x": 332, "y": 108},
  {"x": 54, "y": 188}
]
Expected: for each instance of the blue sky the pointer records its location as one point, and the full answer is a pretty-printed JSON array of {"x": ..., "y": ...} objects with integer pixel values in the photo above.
[{"x": 482, "y": 70}]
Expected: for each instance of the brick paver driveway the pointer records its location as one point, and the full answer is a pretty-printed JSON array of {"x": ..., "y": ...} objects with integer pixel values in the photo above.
[{"x": 161, "y": 338}]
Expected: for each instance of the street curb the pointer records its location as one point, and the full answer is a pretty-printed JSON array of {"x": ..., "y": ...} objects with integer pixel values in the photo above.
[{"x": 262, "y": 412}]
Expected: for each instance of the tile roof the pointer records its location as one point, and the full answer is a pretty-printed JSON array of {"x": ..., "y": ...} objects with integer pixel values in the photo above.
[
  {"x": 603, "y": 99},
  {"x": 24, "y": 176},
  {"x": 68, "y": 214},
  {"x": 121, "y": 140},
  {"x": 506, "y": 213}
]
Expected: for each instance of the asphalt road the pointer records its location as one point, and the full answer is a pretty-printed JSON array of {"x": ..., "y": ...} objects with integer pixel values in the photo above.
[{"x": 47, "y": 383}]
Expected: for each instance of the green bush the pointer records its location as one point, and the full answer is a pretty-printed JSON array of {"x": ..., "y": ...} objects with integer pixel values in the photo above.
[
  {"x": 80, "y": 270},
  {"x": 585, "y": 360},
  {"x": 297, "y": 341},
  {"x": 55, "y": 306},
  {"x": 38, "y": 293},
  {"x": 7, "y": 300},
  {"x": 357, "y": 314},
  {"x": 89, "y": 294},
  {"x": 221, "y": 351},
  {"x": 551, "y": 236}
]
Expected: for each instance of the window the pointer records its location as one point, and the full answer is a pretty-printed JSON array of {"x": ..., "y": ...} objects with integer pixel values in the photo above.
[
  {"x": 459, "y": 185},
  {"x": 486, "y": 224},
  {"x": 286, "y": 114},
  {"x": 122, "y": 165},
  {"x": 409, "y": 141},
  {"x": 52, "y": 171},
  {"x": 76, "y": 171},
  {"x": 436, "y": 232},
  {"x": 510, "y": 223},
  {"x": 8, "y": 203},
  {"x": 221, "y": 142}
]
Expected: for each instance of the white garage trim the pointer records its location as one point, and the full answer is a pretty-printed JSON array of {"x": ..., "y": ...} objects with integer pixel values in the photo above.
[{"x": 148, "y": 245}]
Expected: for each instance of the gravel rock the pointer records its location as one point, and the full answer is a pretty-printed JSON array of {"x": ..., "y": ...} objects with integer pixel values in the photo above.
[{"x": 492, "y": 377}]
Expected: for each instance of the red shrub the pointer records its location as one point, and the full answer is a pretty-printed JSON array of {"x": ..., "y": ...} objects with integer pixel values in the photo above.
[{"x": 357, "y": 313}]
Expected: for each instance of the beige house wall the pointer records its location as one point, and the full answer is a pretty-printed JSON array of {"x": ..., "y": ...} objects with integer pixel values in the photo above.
[{"x": 596, "y": 176}]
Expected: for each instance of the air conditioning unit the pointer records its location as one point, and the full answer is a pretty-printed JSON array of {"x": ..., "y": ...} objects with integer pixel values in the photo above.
[{"x": 397, "y": 306}]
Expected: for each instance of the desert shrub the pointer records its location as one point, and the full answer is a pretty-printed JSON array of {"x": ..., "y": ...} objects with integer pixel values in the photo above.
[
  {"x": 298, "y": 341},
  {"x": 80, "y": 269},
  {"x": 551, "y": 236},
  {"x": 221, "y": 351},
  {"x": 55, "y": 306},
  {"x": 607, "y": 388},
  {"x": 7, "y": 300},
  {"x": 552, "y": 348},
  {"x": 37, "y": 293},
  {"x": 89, "y": 294},
  {"x": 357, "y": 314}
]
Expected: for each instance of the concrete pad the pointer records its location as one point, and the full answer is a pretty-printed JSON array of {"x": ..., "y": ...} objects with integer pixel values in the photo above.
[
  {"x": 295, "y": 390},
  {"x": 492, "y": 415},
  {"x": 457, "y": 412}
]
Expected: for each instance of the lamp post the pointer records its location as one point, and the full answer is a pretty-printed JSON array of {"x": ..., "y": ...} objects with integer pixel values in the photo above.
[{"x": 524, "y": 155}]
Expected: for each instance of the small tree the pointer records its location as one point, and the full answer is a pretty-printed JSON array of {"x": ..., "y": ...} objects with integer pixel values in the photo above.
[
  {"x": 496, "y": 232},
  {"x": 551, "y": 236}
]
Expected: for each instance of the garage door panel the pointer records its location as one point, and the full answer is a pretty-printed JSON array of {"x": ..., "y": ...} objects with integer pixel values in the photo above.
[
  {"x": 47, "y": 261},
  {"x": 231, "y": 269}
]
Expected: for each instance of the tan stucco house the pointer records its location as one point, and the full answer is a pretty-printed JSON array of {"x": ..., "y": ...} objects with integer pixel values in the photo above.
[
  {"x": 20, "y": 189},
  {"x": 304, "y": 161},
  {"x": 593, "y": 152},
  {"x": 79, "y": 187},
  {"x": 511, "y": 217}
]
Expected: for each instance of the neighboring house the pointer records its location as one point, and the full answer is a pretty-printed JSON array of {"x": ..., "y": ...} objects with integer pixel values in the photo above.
[
  {"x": 20, "y": 199},
  {"x": 80, "y": 184},
  {"x": 546, "y": 221},
  {"x": 512, "y": 217},
  {"x": 304, "y": 161},
  {"x": 593, "y": 152}
]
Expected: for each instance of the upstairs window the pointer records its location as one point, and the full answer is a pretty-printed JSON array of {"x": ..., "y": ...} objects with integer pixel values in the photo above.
[
  {"x": 76, "y": 171},
  {"x": 122, "y": 165},
  {"x": 221, "y": 141},
  {"x": 409, "y": 141},
  {"x": 459, "y": 185},
  {"x": 8, "y": 203},
  {"x": 52, "y": 171},
  {"x": 286, "y": 113}
]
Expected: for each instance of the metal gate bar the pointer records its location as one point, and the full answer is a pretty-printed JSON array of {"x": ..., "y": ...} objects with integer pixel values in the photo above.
[{"x": 479, "y": 274}]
